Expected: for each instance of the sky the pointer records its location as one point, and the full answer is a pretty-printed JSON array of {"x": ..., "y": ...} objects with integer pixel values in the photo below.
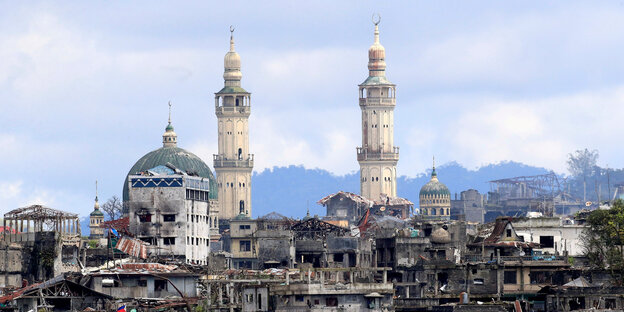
[{"x": 84, "y": 85}]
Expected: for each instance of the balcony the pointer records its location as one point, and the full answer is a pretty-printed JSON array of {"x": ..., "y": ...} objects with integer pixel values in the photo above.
[
  {"x": 220, "y": 161},
  {"x": 377, "y": 101},
  {"x": 230, "y": 110},
  {"x": 363, "y": 154},
  {"x": 546, "y": 260}
]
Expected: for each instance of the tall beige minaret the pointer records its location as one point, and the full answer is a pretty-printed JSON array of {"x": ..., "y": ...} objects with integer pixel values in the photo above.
[
  {"x": 234, "y": 163},
  {"x": 378, "y": 156}
]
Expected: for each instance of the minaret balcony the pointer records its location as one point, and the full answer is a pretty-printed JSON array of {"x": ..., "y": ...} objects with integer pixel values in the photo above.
[
  {"x": 364, "y": 154},
  {"x": 377, "y": 101},
  {"x": 232, "y": 110},
  {"x": 220, "y": 161}
]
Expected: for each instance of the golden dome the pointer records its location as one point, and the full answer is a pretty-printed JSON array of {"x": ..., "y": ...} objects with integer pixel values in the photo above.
[
  {"x": 376, "y": 56},
  {"x": 232, "y": 63}
]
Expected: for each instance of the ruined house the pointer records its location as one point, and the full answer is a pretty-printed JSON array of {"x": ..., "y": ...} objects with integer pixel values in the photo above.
[
  {"x": 56, "y": 294},
  {"x": 470, "y": 205},
  {"x": 320, "y": 244},
  {"x": 144, "y": 280},
  {"x": 323, "y": 290},
  {"x": 44, "y": 243},
  {"x": 345, "y": 206},
  {"x": 276, "y": 244}
]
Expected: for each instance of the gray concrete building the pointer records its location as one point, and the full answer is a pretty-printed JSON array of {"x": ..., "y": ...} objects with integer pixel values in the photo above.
[{"x": 170, "y": 200}]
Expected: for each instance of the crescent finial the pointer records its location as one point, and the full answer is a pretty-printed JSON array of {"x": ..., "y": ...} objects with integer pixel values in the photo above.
[
  {"x": 376, "y": 20},
  {"x": 232, "y": 29}
]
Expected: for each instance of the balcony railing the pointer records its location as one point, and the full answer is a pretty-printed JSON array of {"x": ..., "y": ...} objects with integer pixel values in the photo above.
[
  {"x": 364, "y": 154},
  {"x": 543, "y": 258},
  {"x": 220, "y": 161},
  {"x": 377, "y": 100},
  {"x": 233, "y": 109}
]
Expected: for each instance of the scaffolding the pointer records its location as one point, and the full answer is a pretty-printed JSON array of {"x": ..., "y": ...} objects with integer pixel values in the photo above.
[{"x": 537, "y": 186}]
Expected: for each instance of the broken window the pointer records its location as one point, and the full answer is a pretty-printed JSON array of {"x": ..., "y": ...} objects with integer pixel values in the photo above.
[
  {"x": 539, "y": 277},
  {"x": 245, "y": 245},
  {"x": 169, "y": 218},
  {"x": 547, "y": 241},
  {"x": 145, "y": 217},
  {"x": 168, "y": 241},
  {"x": 160, "y": 285},
  {"x": 510, "y": 277},
  {"x": 331, "y": 302},
  {"x": 338, "y": 257}
]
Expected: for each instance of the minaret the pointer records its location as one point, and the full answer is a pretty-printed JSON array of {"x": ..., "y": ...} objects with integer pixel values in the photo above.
[
  {"x": 378, "y": 156},
  {"x": 96, "y": 218},
  {"x": 234, "y": 163},
  {"x": 170, "y": 138}
]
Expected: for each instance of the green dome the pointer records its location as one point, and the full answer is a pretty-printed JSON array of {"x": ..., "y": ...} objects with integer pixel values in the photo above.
[
  {"x": 434, "y": 187},
  {"x": 169, "y": 127},
  {"x": 242, "y": 217},
  {"x": 96, "y": 213},
  {"x": 180, "y": 158}
]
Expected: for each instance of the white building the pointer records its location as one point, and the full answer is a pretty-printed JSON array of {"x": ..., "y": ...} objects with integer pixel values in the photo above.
[{"x": 556, "y": 236}]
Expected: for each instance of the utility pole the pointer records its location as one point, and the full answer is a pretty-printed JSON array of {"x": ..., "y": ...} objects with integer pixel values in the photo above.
[{"x": 608, "y": 183}]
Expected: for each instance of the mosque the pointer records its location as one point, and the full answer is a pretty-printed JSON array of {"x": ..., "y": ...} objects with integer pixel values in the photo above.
[{"x": 174, "y": 201}]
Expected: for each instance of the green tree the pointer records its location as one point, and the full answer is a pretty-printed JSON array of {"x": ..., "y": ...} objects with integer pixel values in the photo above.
[
  {"x": 582, "y": 162},
  {"x": 604, "y": 240}
]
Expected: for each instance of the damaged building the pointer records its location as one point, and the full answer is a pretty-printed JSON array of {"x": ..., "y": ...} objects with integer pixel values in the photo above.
[
  {"x": 170, "y": 197},
  {"x": 42, "y": 243}
]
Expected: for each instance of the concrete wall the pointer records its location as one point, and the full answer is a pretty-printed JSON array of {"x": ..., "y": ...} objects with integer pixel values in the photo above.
[
  {"x": 566, "y": 237},
  {"x": 128, "y": 286},
  {"x": 191, "y": 228},
  {"x": 256, "y": 299}
]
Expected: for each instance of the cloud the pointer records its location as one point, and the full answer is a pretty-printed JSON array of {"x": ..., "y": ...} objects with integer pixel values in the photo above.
[{"x": 540, "y": 132}]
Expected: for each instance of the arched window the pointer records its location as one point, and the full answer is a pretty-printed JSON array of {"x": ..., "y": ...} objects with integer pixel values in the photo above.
[
  {"x": 242, "y": 206},
  {"x": 240, "y": 154}
]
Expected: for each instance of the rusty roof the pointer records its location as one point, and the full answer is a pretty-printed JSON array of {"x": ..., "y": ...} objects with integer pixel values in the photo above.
[
  {"x": 388, "y": 200},
  {"x": 354, "y": 197}
]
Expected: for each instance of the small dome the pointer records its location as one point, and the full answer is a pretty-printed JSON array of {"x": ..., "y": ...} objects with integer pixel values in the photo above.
[
  {"x": 440, "y": 236},
  {"x": 96, "y": 208},
  {"x": 434, "y": 186},
  {"x": 242, "y": 217}
]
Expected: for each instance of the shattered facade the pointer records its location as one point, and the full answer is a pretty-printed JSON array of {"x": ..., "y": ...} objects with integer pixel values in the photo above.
[{"x": 172, "y": 213}]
